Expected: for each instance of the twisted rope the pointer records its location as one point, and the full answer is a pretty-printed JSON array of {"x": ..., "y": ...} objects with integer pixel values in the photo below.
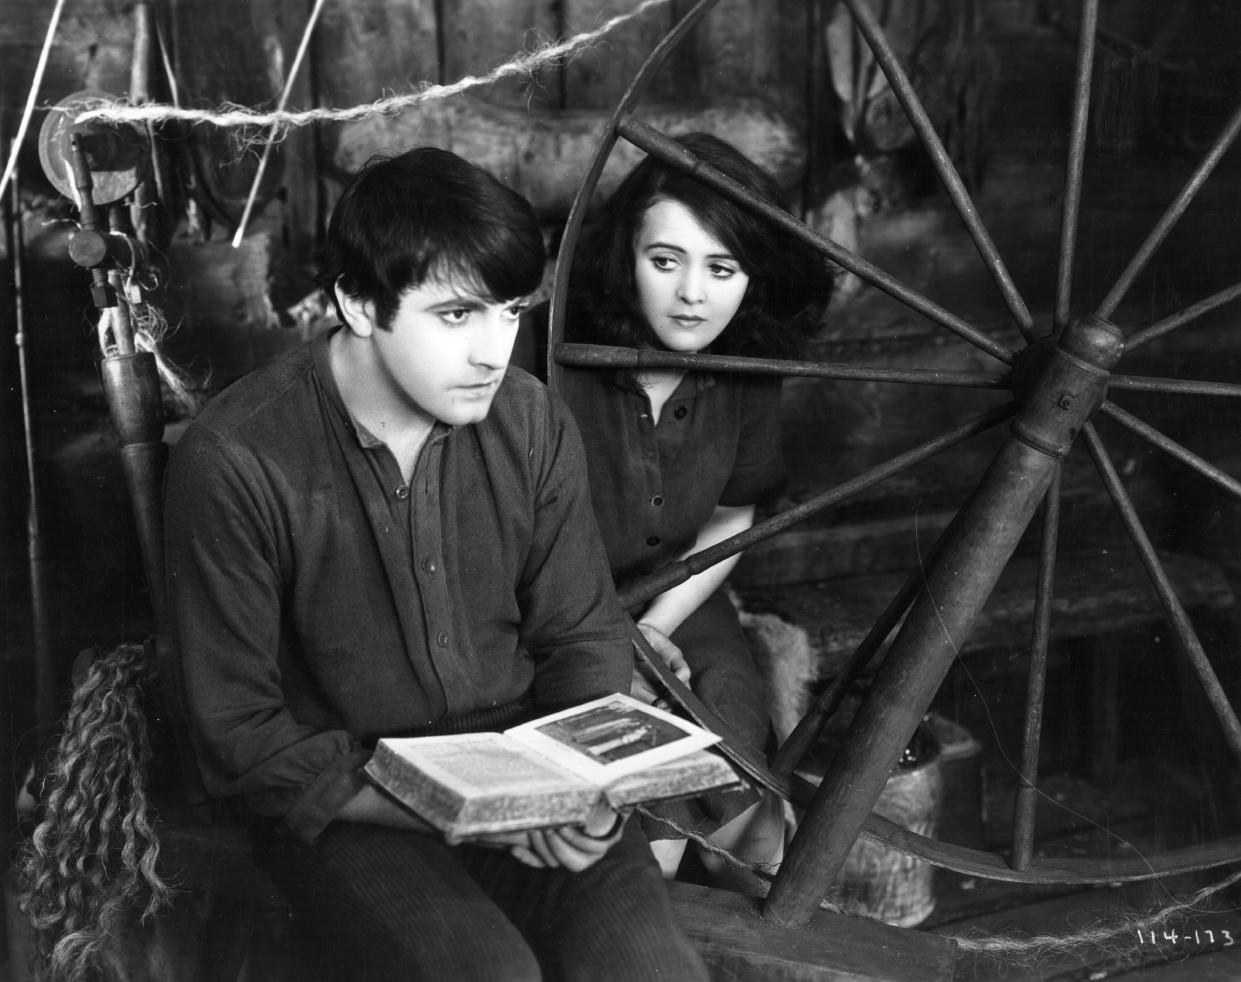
[{"x": 279, "y": 121}]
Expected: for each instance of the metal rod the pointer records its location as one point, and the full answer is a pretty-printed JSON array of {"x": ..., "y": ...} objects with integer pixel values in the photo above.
[
  {"x": 1075, "y": 162},
  {"x": 1023, "y": 805},
  {"x": 1160, "y": 328},
  {"x": 1171, "y": 216},
  {"x": 806, "y": 733},
  {"x": 672, "y": 153},
  {"x": 1172, "y": 448},
  {"x": 672, "y": 574},
  {"x": 816, "y": 82},
  {"x": 1174, "y": 386},
  {"x": 604, "y": 356},
  {"x": 45, "y": 691},
  {"x": 281, "y": 102},
  {"x": 581, "y": 201},
  {"x": 1178, "y": 619},
  {"x": 866, "y": 22}
]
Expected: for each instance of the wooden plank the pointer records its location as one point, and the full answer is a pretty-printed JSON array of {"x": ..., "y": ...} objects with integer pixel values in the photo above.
[
  {"x": 478, "y": 36},
  {"x": 737, "y": 943},
  {"x": 543, "y": 154},
  {"x": 597, "y": 78},
  {"x": 92, "y": 49},
  {"x": 1214, "y": 966},
  {"x": 738, "y": 48},
  {"x": 1071, "y": 915},
  {"x": 1095, "y": 594},
  {"x": 368, "y": 48}
]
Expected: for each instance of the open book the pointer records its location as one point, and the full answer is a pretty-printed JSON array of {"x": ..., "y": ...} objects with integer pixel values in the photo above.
[{"x": 551, "y": 771}]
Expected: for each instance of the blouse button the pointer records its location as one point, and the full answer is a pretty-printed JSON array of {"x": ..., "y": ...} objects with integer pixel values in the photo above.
[
  {"x": 657, "y": 500},
  {"x": 442, "y": 639},
  {"x": 402, "y": 492},
  {"x": 429, "y": 565},
  {"x": 680, "y": 412},
  {"x": 652, "y": 540}
]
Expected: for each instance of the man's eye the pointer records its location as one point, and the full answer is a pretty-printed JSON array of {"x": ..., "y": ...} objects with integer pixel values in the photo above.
[
  {"x": 458, "y": 315},
  {"x": 515, "y": 310}
]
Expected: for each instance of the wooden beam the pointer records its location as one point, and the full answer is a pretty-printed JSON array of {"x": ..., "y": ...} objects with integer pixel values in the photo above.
[{"x": 737, "y": 944}]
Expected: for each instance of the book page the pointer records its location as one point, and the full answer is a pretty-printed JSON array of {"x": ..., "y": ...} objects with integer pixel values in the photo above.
[
  {"x": 477, "y": 763},
  {"x": 610, "y": 737}
]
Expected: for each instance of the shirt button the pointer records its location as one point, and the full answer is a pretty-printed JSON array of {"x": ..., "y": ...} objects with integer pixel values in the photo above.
[
  {"x": 657, "y": 500},
  {"x": 429, "y": 565},
  {"x": 402, "y": 492},
  {"x": 442, "y": 639},
  {"x": 652, "y": 540},
  {"x": 680, "y": 412}
]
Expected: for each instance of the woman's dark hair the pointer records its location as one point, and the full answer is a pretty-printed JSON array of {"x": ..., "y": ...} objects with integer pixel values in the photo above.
[
  {"x": 429, "y": 213},
  {"x": 789, "y": 283}
]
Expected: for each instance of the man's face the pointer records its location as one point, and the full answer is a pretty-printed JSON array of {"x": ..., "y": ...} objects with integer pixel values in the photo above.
[{"x": 445, "y": 351}]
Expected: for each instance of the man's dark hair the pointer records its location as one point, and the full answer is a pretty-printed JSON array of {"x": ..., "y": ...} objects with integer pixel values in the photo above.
[
  {"x": 789, "y": 283},
  {"x": 425, "y": 214}
]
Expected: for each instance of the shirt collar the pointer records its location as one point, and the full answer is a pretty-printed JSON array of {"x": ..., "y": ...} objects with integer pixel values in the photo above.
[{"x": 321, "y": 355}]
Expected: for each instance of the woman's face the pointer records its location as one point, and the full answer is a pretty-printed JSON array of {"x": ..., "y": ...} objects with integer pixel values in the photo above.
[{"x": 689, "y": 284}]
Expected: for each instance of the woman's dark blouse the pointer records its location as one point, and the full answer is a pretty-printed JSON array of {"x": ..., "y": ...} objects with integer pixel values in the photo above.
[{"x": 654, "y": 485}]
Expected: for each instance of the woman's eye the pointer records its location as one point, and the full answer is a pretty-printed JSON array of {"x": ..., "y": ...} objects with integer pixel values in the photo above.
[
  {"x": 723, "y": 272},
  {"x": 663, "y": 262}
]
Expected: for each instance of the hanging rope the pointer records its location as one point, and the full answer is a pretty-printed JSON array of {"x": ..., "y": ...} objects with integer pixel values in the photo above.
[
  {"x": 35, "y": 83},
  {"x": 279, "y": 121}
]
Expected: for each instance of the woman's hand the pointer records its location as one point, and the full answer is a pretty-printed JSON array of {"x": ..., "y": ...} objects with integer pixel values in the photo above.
[{"x": 641, "y": 687}]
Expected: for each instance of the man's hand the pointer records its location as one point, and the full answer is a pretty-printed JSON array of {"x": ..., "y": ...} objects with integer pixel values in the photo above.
[
  {"x": 641, "y": 687},
  {"x": 569, "y": 846}
]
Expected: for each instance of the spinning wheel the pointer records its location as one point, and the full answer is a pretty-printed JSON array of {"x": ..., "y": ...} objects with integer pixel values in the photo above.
[{"x": 1059, "y": 380}]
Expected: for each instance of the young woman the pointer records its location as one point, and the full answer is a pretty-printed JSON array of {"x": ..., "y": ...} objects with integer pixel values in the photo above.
[{"x": 678, "y": 460}]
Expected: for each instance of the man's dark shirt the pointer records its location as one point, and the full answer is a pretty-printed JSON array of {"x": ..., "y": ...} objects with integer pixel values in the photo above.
[{"x": 320, "y": 602}]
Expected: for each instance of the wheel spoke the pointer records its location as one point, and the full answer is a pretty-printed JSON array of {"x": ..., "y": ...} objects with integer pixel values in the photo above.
[
  {"x": 658, "y": 145},
  {"x": 1160, "y": 328},
  {"x": 1173, "y": 386},
  {"x": 1178, "y": 619},
  {"x": 1075, "y": 162},
  {"x": 811, "y": 725},
  {"x": 601, "y": 356},
  {"x": 673, "y": 574},
  {"x": 1171, "y": 447},
  {"x": 865, "y": 21},
  {"x": 1023, "y": 807},
  {"x": 1170, "y": 217}
]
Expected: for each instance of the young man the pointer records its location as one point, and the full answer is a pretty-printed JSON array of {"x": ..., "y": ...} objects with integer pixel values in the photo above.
[{"x": 385, "y": 533}]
